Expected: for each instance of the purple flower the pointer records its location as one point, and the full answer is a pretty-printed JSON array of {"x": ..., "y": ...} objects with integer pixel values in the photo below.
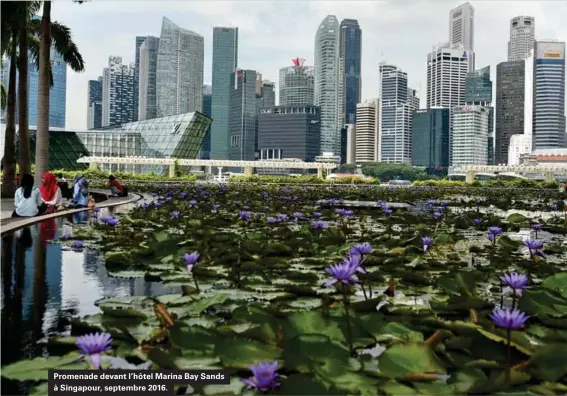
[
  {"x": 507, "y": 319},
  {"x": 536, "y": 227},
  {"x": 157, "y": 204},
  {"x": 387, "y": 211},
  {"x": 430, "y": 202},
  {"x": 282, "y": 217},
  {"x": 437, "y": 214},
  {"x": 427, "y": 242},
  {"x": 344, "y": 212},
  {"x": 265, "y": 376},
  {"x": 444, "y": 204},
  {"x": 145, "y": 206},
  {"x": 191, "y": 259},
  {"x": 93, "y": 345},
  {"x": 342, "y": 272},
  {"x": 113, "y": 221},
  {"x": 515, "y": 283},
  {"x": 298, "y": 215},
  {"x": 477, "y": 221},
  {"x": 495, "y": 230},
  {"x": 361, "y": 248},
  {"x": 168, "y": 199},
  {"x": 192, "y": 203},
  {"x": 355, "y": 260},
  {"x": 66, "y": 235},
  {"x": 534, "y": 247},
  {"x": 104, "y": 219},
  {"x": 175, "y": 214},
  {"x": 244, "y": 215},
  {"x": 319, "y": 225},
  {"x": 77, "y": 245},
  {"x": 272, "y": 220},
  {"x": 317, "y": 214}
]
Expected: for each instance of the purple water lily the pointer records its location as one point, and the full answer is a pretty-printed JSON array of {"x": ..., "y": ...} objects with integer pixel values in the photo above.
[
  {"x": 355, "y": 260},
  {"x": 145, "y": 206},
  {"x": 175, "y": 214},
  {"x": 343, "y": 212},
  {"x": 477, "y": 221},
  {"x": 318, "y": 225},
  {"x": 534, "y": 248},
  {"x": 66, "y": 235},
  {"x": 113, "y": 222},
  {"x": 427, "y": 242},
  {"x": 77, "y": 245},
  {"x": 216, "y": 207},
  {"x": 92, "y": 345},
  {"x": 515, "y": 283},
  {"x": 264, "y": 376},
  {"x": 192, "y": 203},
  {"x": 343, "y": 272},
  {"x": 191, "y": 259},
  {"x": 536, "y": 227},
  {"x": 361, "y": 248},
  {"x": 244, "y": 215},
  {"x": 317, "y": 214},
  {"x": 437, "y": 215},
  {"x": 387, "y": 211},
  {"x": 272, "y": 220},
  {"x": 282, "y": 217},
  {"x": 495, "y": 230},
  {"x": 506, "y": 319},
  {"x": 298, "y": 215}
]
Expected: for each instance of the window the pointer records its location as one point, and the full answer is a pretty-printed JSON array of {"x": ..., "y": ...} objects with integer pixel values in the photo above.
[{"x": 235, "y": 141}]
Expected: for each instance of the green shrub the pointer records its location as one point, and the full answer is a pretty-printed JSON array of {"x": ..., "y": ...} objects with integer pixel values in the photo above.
[
  {"x": 96, "y": 174},
  {"x": 307, "y": 179}
]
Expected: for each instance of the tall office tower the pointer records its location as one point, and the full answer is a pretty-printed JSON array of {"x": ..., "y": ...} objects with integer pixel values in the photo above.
[
  {"x": 327, "y": 84},
  {"x": 117, "y": 92},
  {"x": 207, "y": 101},
  {"x": 447, "y": 68},
  {"x": 350, "y": 152},
  {"x": 395, "y": 116},
  {"x": 549, "y": 95},
  {"x": 413, "y": 99},
  {"x": 94, "y": 109},
  {"x": 367, "y": 122},
  {"x": 350, "y": 49},
  {"x": 470, "y": 135},
  {"x": 139, "y": 41},
  {"x": 522, "y": 37},
  {"x": 297, "y": 84},
  {"x": 225, "y": 59},
  {"x": 461, "y": 30},
  {"x": 510, "y": 105},
  {"x": 265, "y": 94},
  {"x": 430, "y": 139},
  {"x": 478, "y": 91},
  {"x": 242, "y": 116},
  {"x": 179, "y": 70},
  {"x": 147, "y": 79}
]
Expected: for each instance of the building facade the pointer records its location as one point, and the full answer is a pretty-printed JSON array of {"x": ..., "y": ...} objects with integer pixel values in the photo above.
[
  {"x": 94, "y": 109},
  {"x": 117, "y": 92},
  {"x": 327, "y": 83},
  {"x": 147, "y": 78},
  {"x": 367, "y": 125},
  {"x": 447, "y": 70},
  {"x": 180, "y": 63},
  {"x": 522, "y": 38},
  {"x": 430, "y": 139},
  {"x": 519, "y": 146},
  {"x": 549, "y": 95},
  {"x": 242, "y": 116},
  {"x": 297, "y": 84},
  {"x": 510, "y": 102},
  {"x": 225, "y": 60},
  {"x": 265, "y": 94},
  {"x": 207, "y": 102},
  {"x": 470, "y": 135},
  {"x": 350, "y": 51},
  {"x": 461, "y": 30},
  {"x": 139, "y": 41}
]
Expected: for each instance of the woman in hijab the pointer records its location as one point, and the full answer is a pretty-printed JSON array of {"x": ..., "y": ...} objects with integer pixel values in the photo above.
[
  {"x": 80, "y": 192},
  {"x": 50, "y": 192},
  {"x": 27, "y": 198}
]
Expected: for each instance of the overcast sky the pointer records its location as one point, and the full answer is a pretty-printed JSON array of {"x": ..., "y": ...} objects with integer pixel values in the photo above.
[{"x": 271, "y": 33}]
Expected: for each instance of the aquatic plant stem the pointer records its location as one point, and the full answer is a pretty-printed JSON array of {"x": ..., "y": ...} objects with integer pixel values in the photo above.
[
  {"x": 195, "y": 282},
  {"x": 509, "y": 356},
  {"x": 347, "y": 318},
  {"x": 514, "y": 300},
  {"x": 501, "y": 295}
]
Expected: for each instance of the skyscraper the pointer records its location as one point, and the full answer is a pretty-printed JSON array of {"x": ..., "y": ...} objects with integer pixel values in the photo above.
[
  {"x": 242, "y": 116},
  {"x": 510, "y": 102},
  {"x": 94, "y": 105},
  {"x": 522, "y": 37},
  {"x": 430, "y": 138},
  {"x": 327, "y": 83},
  {"x": 265, "y": 94},
  {"x": 206, "y": 147},
  {"x": 117, "y": 92},
  {"x": 470, "y": 135},
  {"x": 350, "y": 53},
  {"x": 367, "y": 122},
  {"x": 447, "y": 68},
  {"x": 297, "y": 84},
  {"x": 478, "y": 87},
  {"x": 179, "y": 70},
  {"x": 147, "y": 79},
  {"x": 549, "y": 95},
  {"x": 395, "y": 115},
  {"x": 139, "y": 41},
  {"x": 225, "y": 59},
  {"x": 461, "y": 29}
]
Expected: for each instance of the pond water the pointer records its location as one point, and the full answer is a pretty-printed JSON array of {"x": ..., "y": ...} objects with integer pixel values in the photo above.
[{"x": 45, "y": 284}]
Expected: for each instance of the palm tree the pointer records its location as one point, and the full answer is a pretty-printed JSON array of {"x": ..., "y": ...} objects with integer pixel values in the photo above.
[{"x": 64, "y": 45}]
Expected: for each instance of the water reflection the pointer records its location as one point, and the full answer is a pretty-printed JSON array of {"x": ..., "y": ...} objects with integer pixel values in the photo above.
[{"x": 45, "y": 284}]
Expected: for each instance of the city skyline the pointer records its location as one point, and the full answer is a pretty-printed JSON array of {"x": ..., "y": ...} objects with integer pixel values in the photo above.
[{"x": 266, "y": 45}]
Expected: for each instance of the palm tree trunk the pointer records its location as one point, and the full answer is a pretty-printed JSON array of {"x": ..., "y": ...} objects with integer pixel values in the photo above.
[
  {"x": 42, "y": 134},
  {"x": 9, "y": 171},
  {"x": 25, "y": 166}
]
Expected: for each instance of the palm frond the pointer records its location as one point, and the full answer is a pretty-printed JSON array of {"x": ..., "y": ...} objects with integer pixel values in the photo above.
[
  {"x": 66, "y": 47},
  {"x": 33, "y": 49}
]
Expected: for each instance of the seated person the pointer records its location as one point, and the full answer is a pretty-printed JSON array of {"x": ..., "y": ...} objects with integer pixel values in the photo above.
[
  {"x": 117, "y": 189},
  {"x": 27, "y": 199},
  {"x": 50, "y": 192},
  {"x": 80, "y": 192},
  {"x": 64, "y": 186}
]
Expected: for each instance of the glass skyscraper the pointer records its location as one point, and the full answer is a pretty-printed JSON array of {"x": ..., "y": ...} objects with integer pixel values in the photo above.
[
  {"x": 94, "y": 110},
  {"x": 242, "y": 116},
  {"x": 207, "y": 96},
  {"x": 225, "y": 60},
  {"x": 478, "y": 87},
  {"x": 430, "y": 139},
  {"x": 350, "y": 54},
  {"x": 297, "y": 84},
  {"x": 147, "y": 80}
]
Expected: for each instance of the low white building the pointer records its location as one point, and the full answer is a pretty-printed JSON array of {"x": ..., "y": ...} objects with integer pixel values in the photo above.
[
  {"x": 367, "y": 123},
  {"x": 519, "y": 145},
  {"x": 470, "y": 135}
]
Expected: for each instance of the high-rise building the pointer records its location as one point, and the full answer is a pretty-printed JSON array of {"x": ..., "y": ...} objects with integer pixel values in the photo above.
[
  {"x": 395, "y": 115},
  {"x": 367, "y": 124},
  {"x": 117, "y": 92},
  {"x": 179, "y": 70},
  {"x": 350, "y": 144},
  {"x": 139, "y": 41},
  {"x": 510, "y": 102},
  {"x": 207, "y": 101},
  {"x": 430, "y": 139},
  {"x": 350, "y": 50},
  {"x": 297, "y": 84},
  {"x": 265, "y": 94},
  {"x": 147, "y": 78},
  {"x": 549, "y": 95},
  {"x": 522, "y": 37},
  {"x": 327, "y": 84},
  {"x": 94, "y": 108},
  {"x": 413, "y": 98},
  {"x": 225, "y": 59},
  {"x": 470, "y": 135},
  {"x": 447, "y": 68},
  {"x": 478, "y": 87},
  {"x": 461, "y": 30},
  {"x": 242, "y": 116}
]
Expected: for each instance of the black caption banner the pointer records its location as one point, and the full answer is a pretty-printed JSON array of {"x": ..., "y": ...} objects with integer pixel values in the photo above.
[{"x": 148, "y": 382}]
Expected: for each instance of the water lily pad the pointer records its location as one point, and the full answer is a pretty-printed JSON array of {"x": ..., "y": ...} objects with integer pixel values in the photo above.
[
  {"x": 402, "y": 359},
  {"x": 240, "y": 352},
  {"x": 36, "y": 369}
]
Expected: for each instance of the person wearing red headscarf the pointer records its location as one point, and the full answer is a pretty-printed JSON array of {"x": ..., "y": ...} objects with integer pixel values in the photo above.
[{"x": 50, "y": 192}]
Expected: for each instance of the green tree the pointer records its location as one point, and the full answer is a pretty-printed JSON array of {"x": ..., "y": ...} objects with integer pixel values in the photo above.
[{"x": 387, "y": 171}]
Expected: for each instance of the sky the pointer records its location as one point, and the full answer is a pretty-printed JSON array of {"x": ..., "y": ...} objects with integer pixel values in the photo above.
[{"x": 271, "y": 33}]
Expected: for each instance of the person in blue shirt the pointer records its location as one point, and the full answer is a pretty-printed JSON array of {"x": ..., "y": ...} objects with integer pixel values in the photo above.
[
  {"x": 80, "y": 196},
  {"x": 27, "y": 199}
]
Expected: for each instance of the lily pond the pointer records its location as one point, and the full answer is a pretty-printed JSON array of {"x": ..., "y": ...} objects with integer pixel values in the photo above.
[{"x": 313, "y": 290}]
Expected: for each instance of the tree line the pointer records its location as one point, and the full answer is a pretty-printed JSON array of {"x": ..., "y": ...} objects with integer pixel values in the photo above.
[{"x": 26, "y": 40}]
